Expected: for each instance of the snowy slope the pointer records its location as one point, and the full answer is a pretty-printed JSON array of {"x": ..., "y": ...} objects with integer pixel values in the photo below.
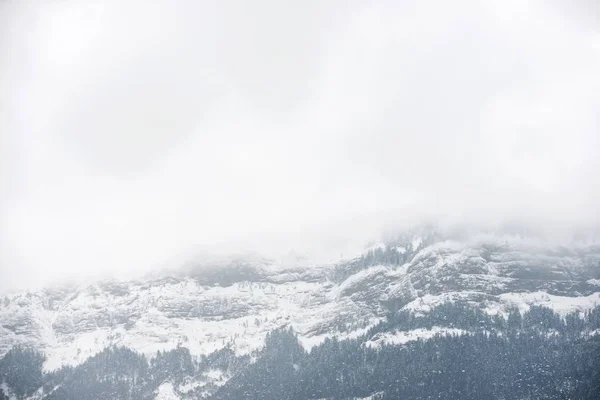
[{"x": 206, "y": 309}]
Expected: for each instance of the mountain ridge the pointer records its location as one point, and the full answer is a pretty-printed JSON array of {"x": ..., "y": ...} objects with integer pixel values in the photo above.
[{"x": 237, "y": 305}]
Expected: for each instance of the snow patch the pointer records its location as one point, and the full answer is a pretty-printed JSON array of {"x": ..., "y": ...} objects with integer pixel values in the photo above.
[
  {"x": 559, "y": 304},
  {"x": 502, "y": 304},
  {"x": 403, "y": 337},
  {"x": 166, "y": 391},
  {"x": 308, "y": 342},
  {"x": 401, "y": 249},
  {"x": 416, "y": 242},
  {"x": 354, "y": 281},
  {"x": 78, "y": 349},
  {"x": 424, "y": 304},
  {"x": 216, "y": 376}
]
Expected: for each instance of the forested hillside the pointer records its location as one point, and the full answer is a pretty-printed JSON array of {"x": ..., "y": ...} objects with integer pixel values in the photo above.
[{"x": 535, "y": 355}]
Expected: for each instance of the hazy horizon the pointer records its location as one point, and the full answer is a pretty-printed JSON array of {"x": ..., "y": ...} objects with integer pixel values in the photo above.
[{"x": 135, "y": 133}]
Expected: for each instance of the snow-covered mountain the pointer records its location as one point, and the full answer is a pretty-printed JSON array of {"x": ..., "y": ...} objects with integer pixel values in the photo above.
[{"x": 236, "y": 304}]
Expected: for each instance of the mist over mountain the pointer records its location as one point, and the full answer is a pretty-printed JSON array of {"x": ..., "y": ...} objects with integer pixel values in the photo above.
[
  {"x": 320, "y": 200},
  {"x": 220, "y": 329},
  {"x": 132, "y": 135}
]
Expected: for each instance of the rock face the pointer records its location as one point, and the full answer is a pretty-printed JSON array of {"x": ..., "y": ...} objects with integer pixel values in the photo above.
[{"x": 237, "y": 304}]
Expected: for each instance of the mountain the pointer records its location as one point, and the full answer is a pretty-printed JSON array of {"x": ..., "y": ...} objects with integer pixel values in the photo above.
[{"x": 218, "y": 329}]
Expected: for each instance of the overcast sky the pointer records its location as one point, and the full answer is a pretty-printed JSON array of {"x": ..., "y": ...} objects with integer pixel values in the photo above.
[{"x": 132, "y": 132}]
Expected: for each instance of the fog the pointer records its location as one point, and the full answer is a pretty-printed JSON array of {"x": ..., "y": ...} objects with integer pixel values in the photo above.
[{"x": 133, "y": 134}]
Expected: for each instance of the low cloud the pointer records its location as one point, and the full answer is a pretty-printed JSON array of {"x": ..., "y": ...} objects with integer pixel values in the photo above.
[{"x": 132, "y": 133}]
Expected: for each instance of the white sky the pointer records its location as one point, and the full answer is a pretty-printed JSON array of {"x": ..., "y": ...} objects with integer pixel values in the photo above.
[{"x": 132, "y": 132}]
